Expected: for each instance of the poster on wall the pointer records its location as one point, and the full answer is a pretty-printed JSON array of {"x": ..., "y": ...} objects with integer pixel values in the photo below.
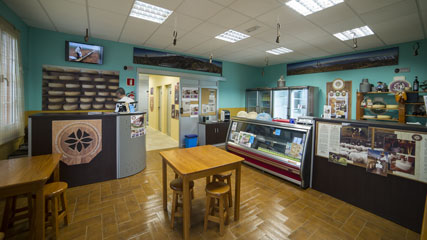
[
  {"x": 339, "y": 98},
  {"x": 172, "y": 60},
  {"x": 151, "y": 103},
  {"x": 329, "y": 135},
  {"x": 186, "y": 107},
  {"x": 173, "y": 111},
  {"x": 354, "y": 143},
  {"x": 137, "y": 126},
  {"x": 377, "y": 58},
  {"x": 378, "y": 162},
  {"x": 177, "y": 93},
  {"x": 194, "y": 110},
  {"x": 191, "y": 94}
]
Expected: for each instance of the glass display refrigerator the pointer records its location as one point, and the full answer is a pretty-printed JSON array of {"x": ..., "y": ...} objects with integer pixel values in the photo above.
[
  {"x": 258, "y": 100},
  {"x": 294, "y": 102},
  {"x": 281, "y": 149}
]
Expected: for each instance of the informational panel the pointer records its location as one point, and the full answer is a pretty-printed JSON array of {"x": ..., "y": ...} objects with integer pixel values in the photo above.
[
  {"x": 190, "y": 102},
  {"x": 208, "y": 101},
  {"x": 339, "y": 100},
  {"x": 381, "y": 151}
]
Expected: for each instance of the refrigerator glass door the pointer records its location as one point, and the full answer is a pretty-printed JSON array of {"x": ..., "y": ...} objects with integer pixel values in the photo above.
[
  {"x": 251, "y": 101},
  {"x": 280, "y": 104},
  {"x": 264, "y": 101},
  {"x": 299, "y": 103}
]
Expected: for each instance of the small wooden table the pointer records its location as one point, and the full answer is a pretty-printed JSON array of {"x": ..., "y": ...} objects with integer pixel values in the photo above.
[
  {"x": 199, "y": 162},
  {"x": 29, "y": 175}
]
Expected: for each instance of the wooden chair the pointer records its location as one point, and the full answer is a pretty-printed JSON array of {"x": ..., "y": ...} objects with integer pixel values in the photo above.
[
  {"x": 226, "y": 178},
  {"x": 176, "y": 186},
  {"x": 13, "y": 214},
  {"x": 54, "y": 194},
  {"x": 217, "y": 191}
]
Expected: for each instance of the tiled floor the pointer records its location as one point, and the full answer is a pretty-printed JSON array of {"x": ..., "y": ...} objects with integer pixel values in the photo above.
[
  {"x": 157, "y": 140},
  {"x": 271, "y": 208}
]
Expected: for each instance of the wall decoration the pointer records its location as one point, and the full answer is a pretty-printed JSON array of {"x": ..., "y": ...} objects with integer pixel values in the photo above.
[
  {"x": 173, "y": 110},
  {"x": 339, "y": 98},
  {"x": 151, "y": 103},
  {"x": 78, "y": 141},
  {"x": 355, "y": 141},
  {"x": 66, "y": 89},
  {"x": 172, "y": 60},
  {"x": 176, "y": 113},
  {"x": 208, "y": 101},
  {"x": 151, "y": 91},
  {"x": 137, "y": 128},
  {"x": 177, "y": 93},
  {"x": 378, "y": 162},
  {"x": 377, "y": 58}
]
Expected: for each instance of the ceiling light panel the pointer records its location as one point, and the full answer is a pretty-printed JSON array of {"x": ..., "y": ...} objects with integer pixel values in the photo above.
[
  {"x": 279, "y": 51},
  {"x": 354, "y": 33},
  {"x": 149, "y": 12},
  {"x": 232, "y": 36},
  {"x": 307, "y": 7}
]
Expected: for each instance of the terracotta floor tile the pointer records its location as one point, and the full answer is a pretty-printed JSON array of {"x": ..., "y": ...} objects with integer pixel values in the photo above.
[{"x": 271, "y": 209}]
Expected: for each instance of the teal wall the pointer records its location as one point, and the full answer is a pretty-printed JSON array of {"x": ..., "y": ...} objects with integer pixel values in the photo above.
[
  {"x": 47, "y": 48},
  {"x": 11, "y": 17},
  {"x": 385, "y": 74}
]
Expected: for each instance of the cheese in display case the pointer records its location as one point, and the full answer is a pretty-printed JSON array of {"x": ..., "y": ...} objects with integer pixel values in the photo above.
[{"x": 281, "y": 149}]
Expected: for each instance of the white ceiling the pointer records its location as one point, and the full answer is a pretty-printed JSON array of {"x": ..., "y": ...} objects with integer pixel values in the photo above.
[{"x": 199, "y": 21}]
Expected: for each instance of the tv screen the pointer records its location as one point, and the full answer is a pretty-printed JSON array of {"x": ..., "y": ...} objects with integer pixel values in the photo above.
[{"x": 84, "y": 53}]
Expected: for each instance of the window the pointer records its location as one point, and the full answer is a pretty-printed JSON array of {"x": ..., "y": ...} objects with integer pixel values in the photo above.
[{"x": 11, "y": 87}]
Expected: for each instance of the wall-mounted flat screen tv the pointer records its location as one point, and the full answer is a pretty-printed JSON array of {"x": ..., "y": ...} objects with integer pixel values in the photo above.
[{"x": 84, "y": 53}]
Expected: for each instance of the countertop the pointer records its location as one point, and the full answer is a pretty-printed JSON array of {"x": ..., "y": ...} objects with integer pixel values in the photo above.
[{"x": 82, "y": 115}]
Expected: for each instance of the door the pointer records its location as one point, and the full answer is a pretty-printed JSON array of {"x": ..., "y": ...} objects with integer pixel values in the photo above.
[
  {"x": 251, "y": 101},
  {"x": 280, "y": 104},
  {"x": 298, "y": 103},
  {"x": 264, "y": 101},
  {"x": 169, "y": 108},
  {"x": 159, "y": 107},
  {"x": 187, "y": 124},
  {"x": 211, "y": 134}
]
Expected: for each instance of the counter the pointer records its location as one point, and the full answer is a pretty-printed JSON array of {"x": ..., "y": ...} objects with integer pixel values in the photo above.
[
  {"x": 96, "y": 147},
  {"x": 394, "y": 188}
]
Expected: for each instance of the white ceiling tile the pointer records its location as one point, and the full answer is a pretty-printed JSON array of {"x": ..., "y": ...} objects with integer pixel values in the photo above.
[
  {"x": 398, "y": 30},
  {"x": 209, "y": 46},
  {"x": 228, "y": 18},
  {"x": 137, "y": 31},
  {"x": 335, "y": 14},
  {"x": 201, "y": 9},
  {"x": 58, "y": 10},
  {"x": 182, "y": 21},
  {"x": 254, "y": 8},
  {"x": 311, "y": 51},
  {"x": 105, "y": 25},
  {"x": 366, "y": 42},
  {"x": 223, "y": 2},
  {"x": 285, "y": 14},
  {"x": 168, "y": 4},
  {"x": 252, "y": 23},
  {"x": 347, "y": 24},
  {"x": 31, "y": 11},
  {"x": 330, "y": 44},
  {"x": 209, "y": 29},
  {"x": 390, "y": 12},
  {"x": 190, "y": 40},
  {"x": 363, "y": 6},
  {"x": 121, "y": 7},
  {"x": 163, "y": 36}
]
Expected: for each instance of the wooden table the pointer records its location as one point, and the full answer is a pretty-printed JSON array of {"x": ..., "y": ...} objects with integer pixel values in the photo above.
[
  {"x": 29, "y": 175},
  {"x": 199, "y": 162}
]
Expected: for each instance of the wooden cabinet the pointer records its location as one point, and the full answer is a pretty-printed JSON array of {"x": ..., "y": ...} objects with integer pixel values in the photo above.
[{"x": 212, "y": 133}]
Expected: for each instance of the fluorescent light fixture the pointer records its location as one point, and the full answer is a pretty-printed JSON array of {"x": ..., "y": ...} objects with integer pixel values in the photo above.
[
  {"x": 232, "y": 36},
  {"x": 307, "y": 7},
  {"x": 354, "y": 33},
  {"x": 149, "y": 12},
  {"x": 279, "y": 51}
]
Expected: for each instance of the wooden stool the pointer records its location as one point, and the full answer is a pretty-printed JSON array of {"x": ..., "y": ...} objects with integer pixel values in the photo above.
[
  {"x": 226, "y": 178},
  {"x": 55, "y": 193},
  {"x": 12, "y": 213},
  {"x": 217, "y": 190},
  {"x": 176, "y": 186}
]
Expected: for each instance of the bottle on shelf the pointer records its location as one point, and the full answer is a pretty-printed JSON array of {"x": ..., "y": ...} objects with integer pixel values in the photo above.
[{"x": 416, "y": 85}]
